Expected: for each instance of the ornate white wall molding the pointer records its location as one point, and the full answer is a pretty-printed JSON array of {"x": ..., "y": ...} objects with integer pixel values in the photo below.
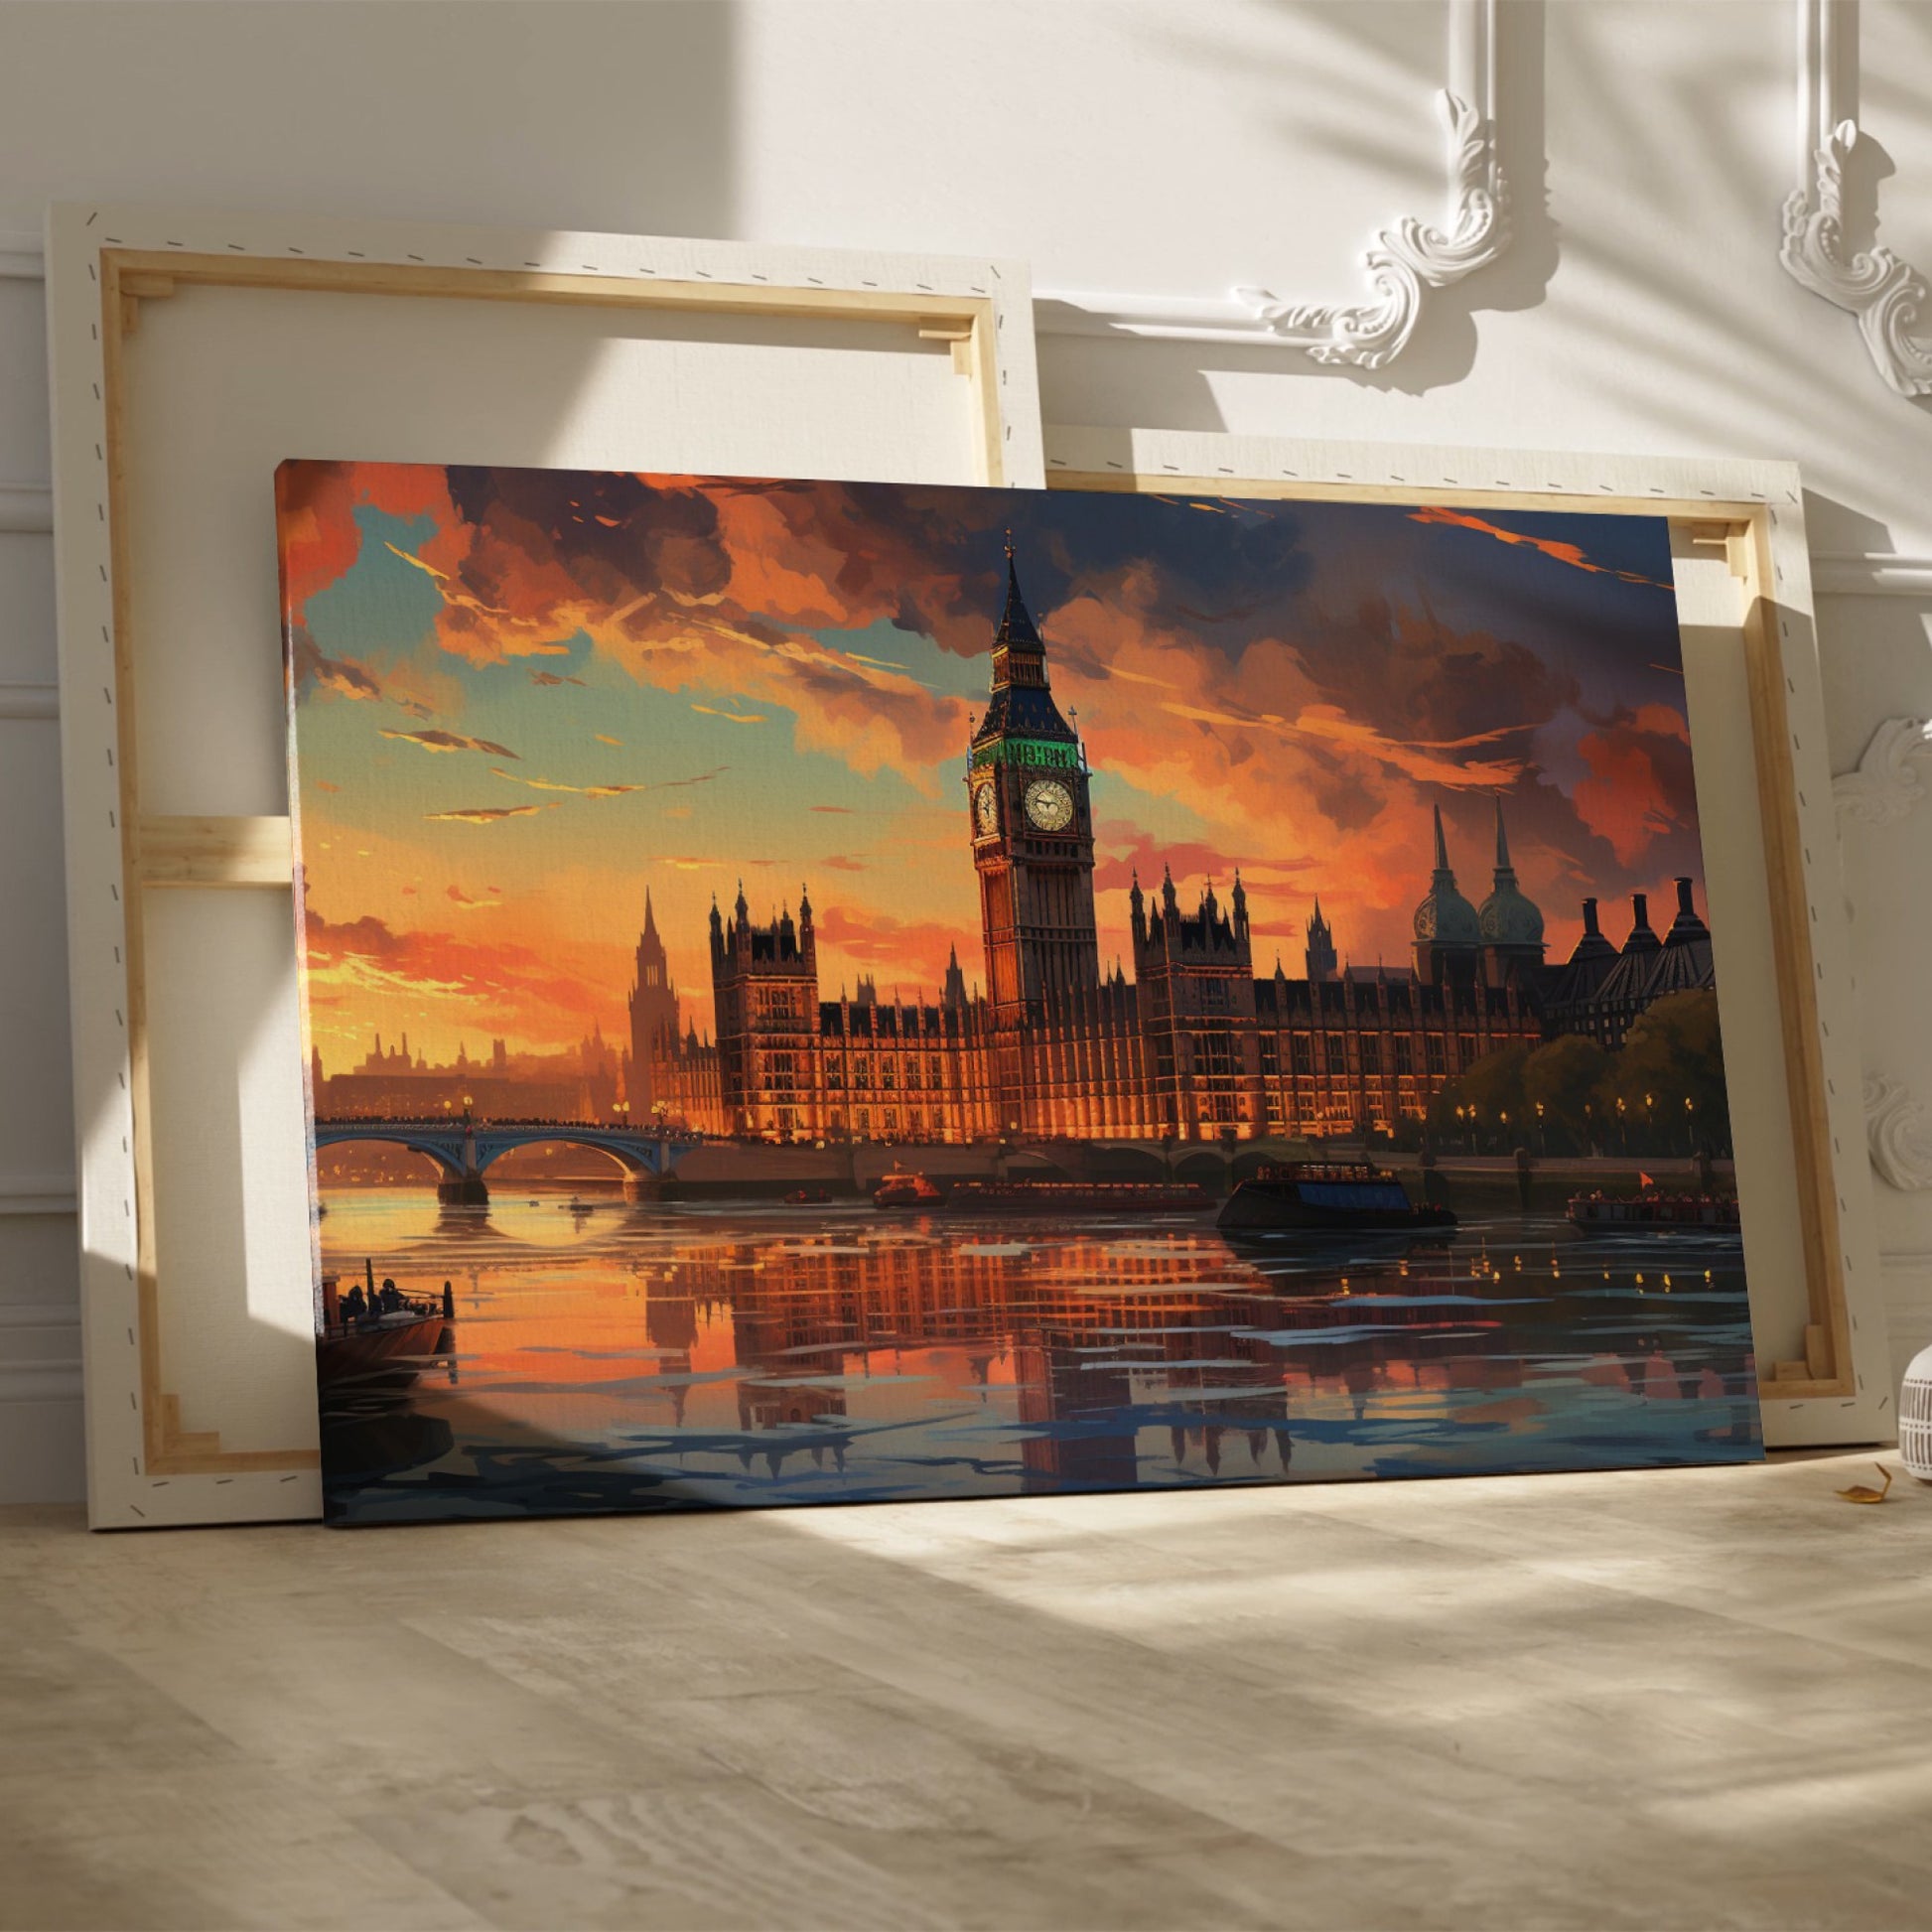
[
  {"x": 39, "y": 1352},
  {"x": 1887, "y": 295},
  {"x": 30, "y": 701},
  {"x": 1885, "y": 787},
  {"x": 1886, "y": 783},
  {"x": 1871, "y": 572},
  {"x": 20, "y": 259},
  {"x": 1899, "y": 1130},
  {"x": 1405, "y": 262},
  {"x": 37, "y": 1194},
  {"x": 26, "y": 508}
]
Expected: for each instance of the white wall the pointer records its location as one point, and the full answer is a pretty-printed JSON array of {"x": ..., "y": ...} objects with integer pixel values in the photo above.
[{"x": 1122, "y": 146}]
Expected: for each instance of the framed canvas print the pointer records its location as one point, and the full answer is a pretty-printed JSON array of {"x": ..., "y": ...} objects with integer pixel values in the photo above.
[
  {"x": 824, "y": 991},
  {"x": 191, "y": 351}
]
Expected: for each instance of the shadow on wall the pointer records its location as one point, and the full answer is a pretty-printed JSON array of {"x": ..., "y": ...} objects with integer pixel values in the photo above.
[
  {"x": 1443, "y": 349},
  {"x": 619, "y": 118}
]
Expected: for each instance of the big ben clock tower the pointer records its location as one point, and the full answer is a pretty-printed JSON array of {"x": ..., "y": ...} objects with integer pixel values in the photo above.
[{"x": 1031, "y": 829}]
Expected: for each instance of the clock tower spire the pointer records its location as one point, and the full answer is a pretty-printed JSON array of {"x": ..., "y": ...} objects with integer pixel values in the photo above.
[{"x": 1032, "y": 828}]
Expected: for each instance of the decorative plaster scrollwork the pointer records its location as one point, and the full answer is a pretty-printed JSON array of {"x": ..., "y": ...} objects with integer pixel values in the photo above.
[
  {"x": 1887, "y": 295},
  {"x": 1405, "y": 262},
  {"x": 1899, "y": 1130},
  {"x": 1883, "y": 789},
  {"x": 1409, "y": 259},
  {"x": 1886, "y": 785}
]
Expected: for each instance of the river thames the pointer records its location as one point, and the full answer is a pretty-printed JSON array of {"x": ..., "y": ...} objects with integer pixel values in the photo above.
[{"x": 606, "y": 1356}]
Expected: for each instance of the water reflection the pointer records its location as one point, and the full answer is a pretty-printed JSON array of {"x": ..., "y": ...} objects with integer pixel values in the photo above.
[{"x": 649, "y": 1358}]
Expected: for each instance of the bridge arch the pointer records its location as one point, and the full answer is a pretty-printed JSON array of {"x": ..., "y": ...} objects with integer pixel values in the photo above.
[
  {"x": 627, "y": 1164},
  {"x": 334, "y": 1133},
  {"x": 1207, "y": 1167},
  {"x": 467, "y": 1151}
]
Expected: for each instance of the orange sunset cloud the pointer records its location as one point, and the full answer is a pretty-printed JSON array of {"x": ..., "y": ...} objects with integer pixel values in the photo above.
[
  {"x": 441, "y": 740},
  {"x": 1554, "y": 550}
]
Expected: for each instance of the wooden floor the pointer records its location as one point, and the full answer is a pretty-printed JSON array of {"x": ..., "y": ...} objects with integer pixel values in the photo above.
[{"x": 1689, "y": 1699}]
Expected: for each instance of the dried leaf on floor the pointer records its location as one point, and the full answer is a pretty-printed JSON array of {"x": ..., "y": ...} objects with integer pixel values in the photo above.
[{"x": 1862, "y": 1493}]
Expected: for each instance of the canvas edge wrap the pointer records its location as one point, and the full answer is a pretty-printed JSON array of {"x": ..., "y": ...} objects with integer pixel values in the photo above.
[
  {"x": 1840, "y": 1392},
  {"x": 102, "y": 262}
]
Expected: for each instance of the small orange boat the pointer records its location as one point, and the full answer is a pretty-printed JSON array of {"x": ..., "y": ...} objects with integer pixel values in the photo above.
[{"x": 908, "y": 1190}]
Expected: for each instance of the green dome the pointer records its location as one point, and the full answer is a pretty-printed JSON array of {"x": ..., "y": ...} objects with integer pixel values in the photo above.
[
  {"x": 1508, "y": 918},
  {"x": 1444, "y": 917}
]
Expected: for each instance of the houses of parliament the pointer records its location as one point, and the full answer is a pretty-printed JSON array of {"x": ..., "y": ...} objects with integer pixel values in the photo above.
[{"x": 1193, "y": 1045}]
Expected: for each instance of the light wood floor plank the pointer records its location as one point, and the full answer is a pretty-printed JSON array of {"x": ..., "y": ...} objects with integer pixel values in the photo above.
[{"x": 1688, "y": 1698}]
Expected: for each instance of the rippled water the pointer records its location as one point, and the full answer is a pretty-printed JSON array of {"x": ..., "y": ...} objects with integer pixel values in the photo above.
[{"x": 661, "y": 1357}]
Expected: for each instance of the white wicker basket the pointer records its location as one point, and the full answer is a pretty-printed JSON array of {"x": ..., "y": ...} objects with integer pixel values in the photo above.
[{"x": 1915, "y": 1417}]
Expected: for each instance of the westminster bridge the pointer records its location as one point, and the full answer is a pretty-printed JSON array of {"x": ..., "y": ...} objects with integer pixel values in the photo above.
[{"x": 465, "y": 1150}]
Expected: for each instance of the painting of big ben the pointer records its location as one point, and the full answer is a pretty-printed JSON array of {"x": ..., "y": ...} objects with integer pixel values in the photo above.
[{"x": 823, "y": 992}]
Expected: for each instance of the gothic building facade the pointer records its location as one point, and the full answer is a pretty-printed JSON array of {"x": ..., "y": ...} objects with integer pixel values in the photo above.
[{"x": 1195, "y": 1045}]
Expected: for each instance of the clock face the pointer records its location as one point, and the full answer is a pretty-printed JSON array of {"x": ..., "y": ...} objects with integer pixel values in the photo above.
[
  {"x": 1049, "y": 805},
  {"x": 986, "y": 809}
]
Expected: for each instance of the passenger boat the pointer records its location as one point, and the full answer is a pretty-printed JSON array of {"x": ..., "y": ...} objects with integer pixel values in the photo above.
[
  {"x": 394, "y": 1342},
  {"x": 1653, "y": 1209},
  {"x": 808, "y": 1197},
  {"x": 1075, "y": 1198},
  {"x": 908, "y": 1190},
  {"x": 1328, "y": 1198}
]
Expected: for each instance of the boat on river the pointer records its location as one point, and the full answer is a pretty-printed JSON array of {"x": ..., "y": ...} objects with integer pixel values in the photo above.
[
  {"x": 1328, "y": 1198},
  {"x": 1652, "y": 1208},
  {"x": 1027, "y": 1196},
  {"x": 908, "y": 1190},
  {"x": 361, "y": 1336}
]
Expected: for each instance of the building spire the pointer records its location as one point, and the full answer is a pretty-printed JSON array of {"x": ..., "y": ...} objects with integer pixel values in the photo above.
[
  {"x": 1441, "y": 844},
  {"x": 1016, "y": 631},
  {"x": 650, "y": 920}
]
